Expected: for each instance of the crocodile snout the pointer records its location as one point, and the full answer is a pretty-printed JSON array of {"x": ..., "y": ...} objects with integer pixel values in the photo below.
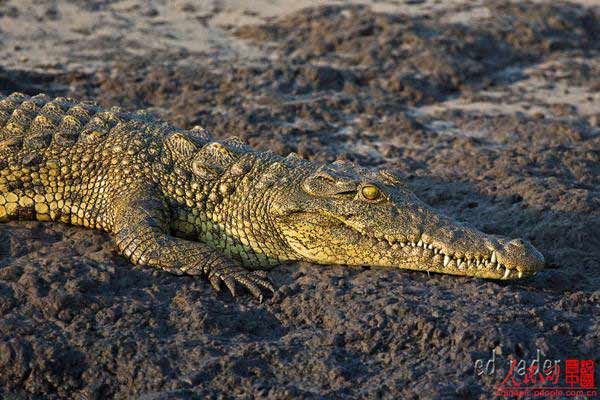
[{"x": 520, "y": 253}]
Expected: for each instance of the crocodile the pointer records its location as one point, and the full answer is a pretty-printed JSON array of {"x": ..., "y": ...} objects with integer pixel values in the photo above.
[{"x": 191, "y": 204}]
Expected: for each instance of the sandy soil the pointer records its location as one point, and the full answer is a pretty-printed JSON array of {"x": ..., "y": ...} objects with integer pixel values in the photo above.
[{"x": 491, "y": 110}]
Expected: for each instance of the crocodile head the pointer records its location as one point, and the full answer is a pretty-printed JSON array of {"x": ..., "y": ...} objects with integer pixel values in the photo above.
[{"x": 341, "y": 214}]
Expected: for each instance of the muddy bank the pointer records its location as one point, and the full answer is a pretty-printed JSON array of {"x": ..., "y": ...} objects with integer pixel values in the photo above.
[{"x": 493, "y": 119}]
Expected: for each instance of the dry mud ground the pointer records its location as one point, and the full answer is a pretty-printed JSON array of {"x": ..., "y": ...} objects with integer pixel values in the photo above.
[{"x": 490, "y": 110}]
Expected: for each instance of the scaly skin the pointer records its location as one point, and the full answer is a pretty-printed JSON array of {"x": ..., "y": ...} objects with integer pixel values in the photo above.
[{"x": 189, "y": 204}]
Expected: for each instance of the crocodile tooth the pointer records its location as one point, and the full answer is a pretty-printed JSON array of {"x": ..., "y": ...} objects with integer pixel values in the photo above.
[
  {"x": 413, "y": 244},
  {"x": 499, "y": 267},
  {"x": 506, "y": 273},
  {"x": 469, "y": 263},
  {"x": 435, "y": 251},
  {"x": 446, "y": 260},
  {"x": 420, "y": 243},
  {"x": 460, "y": 264},
  {"x": 493, "y": 259},
  {"x": 402, "y": 244},
  {"x": 520, "y": 274},
  {"x": 430, "y": 246}
]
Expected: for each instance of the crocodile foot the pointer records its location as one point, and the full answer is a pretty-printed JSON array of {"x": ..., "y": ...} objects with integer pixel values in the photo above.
[{"x": 253, "y": 281}]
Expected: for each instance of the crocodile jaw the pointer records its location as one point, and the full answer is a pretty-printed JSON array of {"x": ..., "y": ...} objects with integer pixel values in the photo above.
[{"x": 445, "y": 247}]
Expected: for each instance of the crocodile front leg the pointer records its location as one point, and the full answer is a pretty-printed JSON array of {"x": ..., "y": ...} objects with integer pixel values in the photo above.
[{"x": 141, "y": 232}]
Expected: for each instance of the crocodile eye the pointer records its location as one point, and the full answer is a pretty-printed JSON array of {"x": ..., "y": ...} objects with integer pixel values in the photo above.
[{"x": 371, "y": 192}]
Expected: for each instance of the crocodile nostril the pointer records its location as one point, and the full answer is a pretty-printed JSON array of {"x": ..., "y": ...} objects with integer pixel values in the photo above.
[{"x": 517, "y": 242}]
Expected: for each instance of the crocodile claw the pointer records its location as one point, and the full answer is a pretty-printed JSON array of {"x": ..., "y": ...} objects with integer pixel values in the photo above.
[
  {"x": 254, "y": 281},
  {"x": 215, "y": 282}
]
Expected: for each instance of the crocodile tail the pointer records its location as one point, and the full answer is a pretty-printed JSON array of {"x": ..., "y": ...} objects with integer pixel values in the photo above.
[{"x": 35, "y": 123}]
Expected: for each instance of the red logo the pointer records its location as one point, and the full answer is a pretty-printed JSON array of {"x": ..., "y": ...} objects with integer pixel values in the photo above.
[
  {"x": 577, "y": 378},
  {"x": 541, "y": 377}
]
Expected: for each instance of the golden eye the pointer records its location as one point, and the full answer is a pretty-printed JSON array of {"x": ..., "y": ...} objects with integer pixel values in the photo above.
[{"x": 371, "y": 192}]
